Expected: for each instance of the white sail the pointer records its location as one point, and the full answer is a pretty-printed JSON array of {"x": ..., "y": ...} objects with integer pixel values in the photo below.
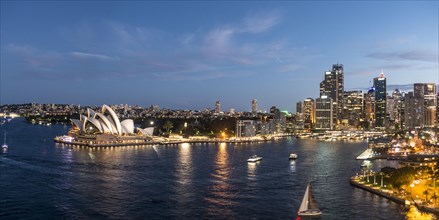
[
  {"x": 308, "y": 207},
  {"x": 304, "y": 204}
]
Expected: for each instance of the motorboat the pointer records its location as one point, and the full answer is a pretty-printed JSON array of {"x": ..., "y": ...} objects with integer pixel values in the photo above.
[
  {"x": 293, "y": 156},
  {"x": 309, "y": 207},
  {"x": 254, "y": 158}
]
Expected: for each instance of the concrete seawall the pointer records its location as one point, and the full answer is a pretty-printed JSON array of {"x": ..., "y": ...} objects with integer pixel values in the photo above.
[
  {"x": 389, "y": 196},
  {"x": 378, "y": 192}
]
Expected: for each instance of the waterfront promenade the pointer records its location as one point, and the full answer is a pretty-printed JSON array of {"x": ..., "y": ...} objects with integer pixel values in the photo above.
[
  {"x": 166, "y": 141},
  {"x": 391, "y": 195}
]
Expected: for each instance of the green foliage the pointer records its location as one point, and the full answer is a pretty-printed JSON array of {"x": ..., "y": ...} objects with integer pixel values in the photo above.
[
  {"x": 168, "y": 126},
  {"x": 402, "y": 176}
]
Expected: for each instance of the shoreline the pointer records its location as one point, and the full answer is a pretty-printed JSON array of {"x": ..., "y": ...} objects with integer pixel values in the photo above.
[
  {"x": 391, "y": 197},
  {"x": 164, "y": 142}
]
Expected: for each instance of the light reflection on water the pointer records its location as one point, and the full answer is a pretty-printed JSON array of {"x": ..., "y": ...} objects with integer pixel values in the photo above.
[
  {"x": 293, "y": 166},
  {"x": 184, "y": 165},
  {"x": 221, "y": 195},
  {"x": 251, "y": 170}
]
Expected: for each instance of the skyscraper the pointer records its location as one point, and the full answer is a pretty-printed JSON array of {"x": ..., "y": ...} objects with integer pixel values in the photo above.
[
  {"x": 254, "y": 106},
  {"x": 426, "y": 103},
  {"x": 413, "y": 111},
  {"x": 379, "y": 83},
  {"x": 353, "y": 107},
  {"x": 324, "y": 113},
  {"x": 397, "y": 112},
  {"x": 369, "y": 107},
  {"x": 308, "y": 113},
  {"x": 333, "y": 87}
]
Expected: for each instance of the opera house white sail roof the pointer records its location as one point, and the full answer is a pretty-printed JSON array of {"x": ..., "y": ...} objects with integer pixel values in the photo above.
[{"x": 107, "y": 122}]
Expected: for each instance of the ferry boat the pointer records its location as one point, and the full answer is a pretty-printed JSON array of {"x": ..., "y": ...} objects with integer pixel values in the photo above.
[
  {"x": 293, "y": 156},
  {"x": 309, "y": 207},
  {"x": 254, "y": 158}
]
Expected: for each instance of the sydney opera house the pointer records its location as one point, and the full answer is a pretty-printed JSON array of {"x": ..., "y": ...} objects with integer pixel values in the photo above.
[{"x": 104, "y": 128}]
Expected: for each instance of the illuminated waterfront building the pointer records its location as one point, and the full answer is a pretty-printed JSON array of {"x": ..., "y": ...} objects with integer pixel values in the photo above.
[
  {"x": 299, "y": 116},
  {"x": 324, "y": 113},
  {"x": 246, "y": 128},
  {"x": 106, "y": 122}
]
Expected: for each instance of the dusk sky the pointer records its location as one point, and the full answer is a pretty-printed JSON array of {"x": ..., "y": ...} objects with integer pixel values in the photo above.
[{"x": 187, "y": 55}]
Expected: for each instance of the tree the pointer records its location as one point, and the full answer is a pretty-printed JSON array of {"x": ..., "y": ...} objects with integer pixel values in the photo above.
[
  {"x": 168, "y": 126},
  {"x": 426, "y": 193},
  {"x": 434, "y": 197}
]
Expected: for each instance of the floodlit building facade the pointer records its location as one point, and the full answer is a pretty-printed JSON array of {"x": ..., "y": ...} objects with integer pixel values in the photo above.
[{"x": 106, "y": 122}]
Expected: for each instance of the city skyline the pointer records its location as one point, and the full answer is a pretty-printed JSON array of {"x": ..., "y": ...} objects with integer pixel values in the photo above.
[{"x": 189, "y": 55}]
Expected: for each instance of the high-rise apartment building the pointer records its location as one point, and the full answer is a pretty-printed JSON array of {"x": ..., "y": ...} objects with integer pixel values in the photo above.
[
  {"x": 379, "y": 83},
  {"x": 254, "y": 106},
  {"x": 217, "y": 106},
  {"x": 333, "y": 87}
]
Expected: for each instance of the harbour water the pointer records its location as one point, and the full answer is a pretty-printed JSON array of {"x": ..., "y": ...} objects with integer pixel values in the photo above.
[{"x": 43, "y": 180}]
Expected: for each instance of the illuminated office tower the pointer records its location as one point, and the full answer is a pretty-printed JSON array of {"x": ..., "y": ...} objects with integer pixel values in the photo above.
[
  {"x": 333, "y": 87},
  {"x": 308, "y": 113},
  {"x": 324, "y": 113},
  {"x": 379, "y": 83}
]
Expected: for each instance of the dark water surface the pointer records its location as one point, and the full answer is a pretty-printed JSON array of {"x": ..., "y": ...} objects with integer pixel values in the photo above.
[{"x": 43, "y": 180}]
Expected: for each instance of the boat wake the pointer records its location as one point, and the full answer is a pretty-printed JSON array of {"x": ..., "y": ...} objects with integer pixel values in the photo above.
[{"x": 31, "y": 167}]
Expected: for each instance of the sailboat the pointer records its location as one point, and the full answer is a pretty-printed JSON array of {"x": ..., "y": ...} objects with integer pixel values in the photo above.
[
  {"x": 4, "y": 146},
  {"x": 308, "y": 207}
]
